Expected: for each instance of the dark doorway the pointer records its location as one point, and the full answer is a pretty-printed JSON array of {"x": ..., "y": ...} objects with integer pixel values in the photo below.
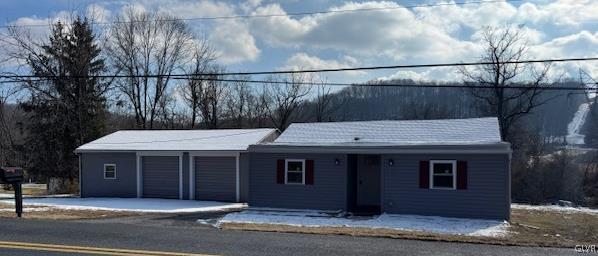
[{"x": 364, "y": 184}]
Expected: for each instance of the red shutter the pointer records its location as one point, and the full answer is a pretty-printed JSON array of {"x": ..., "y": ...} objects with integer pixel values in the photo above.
[
  {"x": 424, "y": 174},
  {"x": 309, "y": 172},
  {"x": 280, "y": 171},
  {"x": 461, "y": 174}
]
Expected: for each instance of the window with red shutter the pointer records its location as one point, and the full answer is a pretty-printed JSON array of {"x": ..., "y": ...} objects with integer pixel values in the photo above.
[
  {"x": 280, "y": 171},
  {"x": 309, "y": 172},
  {"x": 424, "y": 174}
]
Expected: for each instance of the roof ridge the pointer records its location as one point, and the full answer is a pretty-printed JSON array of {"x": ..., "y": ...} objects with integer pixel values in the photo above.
[{"x": 399, "y": 120}]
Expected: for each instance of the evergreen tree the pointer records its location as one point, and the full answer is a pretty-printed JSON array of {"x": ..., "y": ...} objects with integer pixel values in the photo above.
[{"x": 67, "y": 106}]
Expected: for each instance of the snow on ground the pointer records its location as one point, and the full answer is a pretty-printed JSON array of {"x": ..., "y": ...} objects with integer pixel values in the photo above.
[
  {"x": 7, "y": 195},
  {"x": 149, "y": 205},
  {"x": 433, "y": 224},
  {"x": 574, "y": 137},
  {"x": 558, "y": 208}
]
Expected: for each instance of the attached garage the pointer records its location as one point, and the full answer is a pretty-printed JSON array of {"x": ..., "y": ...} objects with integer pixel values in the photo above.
[
  {"x": 175, "y": 164},
  {"x": 160, "y": 176},
  {"x": 215, "y": 178}
]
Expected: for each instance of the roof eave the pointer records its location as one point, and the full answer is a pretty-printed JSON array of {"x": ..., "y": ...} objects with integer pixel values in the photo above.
[{"x": 490, "y": 148}]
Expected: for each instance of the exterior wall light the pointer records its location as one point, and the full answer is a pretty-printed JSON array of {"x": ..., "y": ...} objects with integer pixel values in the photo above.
[
  {"x": 337, "y": 161},
  {"x": 391, "y": 162}
]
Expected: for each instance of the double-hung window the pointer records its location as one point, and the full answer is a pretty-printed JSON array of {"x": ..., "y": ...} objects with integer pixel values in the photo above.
[
  {"x": 443, "y": 174},
  {"x": 295, "y": 171},
  {"x": 110, "y": 171}
]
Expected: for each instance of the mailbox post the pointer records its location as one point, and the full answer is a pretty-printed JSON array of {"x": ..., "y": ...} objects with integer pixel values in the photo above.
[{"x": 14, "y": 176}]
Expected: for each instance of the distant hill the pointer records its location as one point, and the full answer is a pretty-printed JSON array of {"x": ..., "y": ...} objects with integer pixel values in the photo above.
[{"x": 379, "y": 102}]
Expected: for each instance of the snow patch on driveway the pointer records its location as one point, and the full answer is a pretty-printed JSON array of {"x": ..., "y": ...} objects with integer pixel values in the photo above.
[
  {"x": 148, "y": 205},
  {"x": 433, "y": 224}
]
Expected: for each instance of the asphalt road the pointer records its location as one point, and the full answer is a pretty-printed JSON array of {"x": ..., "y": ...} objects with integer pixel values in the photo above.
[{"x": 180, "y": 234}]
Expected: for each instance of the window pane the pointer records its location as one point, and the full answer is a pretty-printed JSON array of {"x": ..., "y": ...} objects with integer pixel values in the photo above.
[
  {"x": 443, "y": 181},
  {"x": 295, "y": 166},
  {"x": 443, "y": 168},
  {"x": 109, "y": 171},
  {"x": 295, "y": 177},
  {"x": 109, "y": 174}
]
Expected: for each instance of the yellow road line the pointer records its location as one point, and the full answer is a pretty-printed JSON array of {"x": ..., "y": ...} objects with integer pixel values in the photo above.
[
  {"x": 88, "y": 250},
  {"x": 63, "y": 250}
]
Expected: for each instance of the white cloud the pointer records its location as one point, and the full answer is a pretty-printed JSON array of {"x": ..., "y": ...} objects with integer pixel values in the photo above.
[
  {"x": 582, "y": 44},
  {"x": 579, "y": 45},
  {"x": 303, "y": 61},
  {"x": 233, "y": 42},
  {"x": 98, "y": 13},
  {"x": 560, "y": 13},
  {"x": 395, "y": 33},
  {"x": 229, "y": 37},
  {"x": 442, "y": 74}
]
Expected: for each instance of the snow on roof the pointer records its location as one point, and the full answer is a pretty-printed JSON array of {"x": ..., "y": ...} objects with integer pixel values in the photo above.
[
  {"x": 178, "y": 140},
  {"x": 393, "y": 132}
]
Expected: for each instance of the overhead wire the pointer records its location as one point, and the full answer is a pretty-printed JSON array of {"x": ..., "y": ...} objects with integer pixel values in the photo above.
[
  {"x": 326, "y": 70},
  {"x": 290, "y": 14}
]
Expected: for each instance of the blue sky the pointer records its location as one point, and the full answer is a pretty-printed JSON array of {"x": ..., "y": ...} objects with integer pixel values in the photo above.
[{"x": 447, "y": 33}]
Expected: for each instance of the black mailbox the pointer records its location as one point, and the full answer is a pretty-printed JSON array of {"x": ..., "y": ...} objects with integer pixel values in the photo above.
[
  {"x": 14, "y": 176},
  {"x": 11, "y": 174}
]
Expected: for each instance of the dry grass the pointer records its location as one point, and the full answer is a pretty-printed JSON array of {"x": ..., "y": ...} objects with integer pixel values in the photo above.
[
  {"x": 554, "y": 228},
  {"x": 528, "y": 227},
  {"x": 52, "y": 213},
  {"x": 58, "y": 214},
  {"x": 28, "y": 191},
  {"x": 367, "y": 232}
]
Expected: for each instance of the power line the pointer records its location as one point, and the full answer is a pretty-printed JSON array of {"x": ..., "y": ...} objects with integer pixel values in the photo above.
[
  {"x": 292, "y": 14},
  {"x": 383, "y": 84},
  {"x": 372, "y": 84},
  {"x": 457, "y": 64}
]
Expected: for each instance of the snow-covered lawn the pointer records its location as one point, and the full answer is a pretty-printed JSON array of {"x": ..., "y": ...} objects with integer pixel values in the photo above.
[
  {"x": 433, "y": 224},
  {"x": 148, "y": 205},
  {"x": 557, "y": 208}
]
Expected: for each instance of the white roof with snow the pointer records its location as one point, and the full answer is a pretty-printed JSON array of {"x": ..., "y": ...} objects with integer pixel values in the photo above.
[
  {"x": 388, "y": 133},
  {"x": 178, "y": 140}
]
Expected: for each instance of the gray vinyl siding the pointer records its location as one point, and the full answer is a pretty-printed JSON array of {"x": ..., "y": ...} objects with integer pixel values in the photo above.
[
  {"x": 160, "y": 176},
  {"x": 487, "y": 194},
  {"x": 244, "y": 176},
  {"x": 327, "y": 193},
  {"x": 215, "y": 178},
  {"x": 93, "y": 183}
]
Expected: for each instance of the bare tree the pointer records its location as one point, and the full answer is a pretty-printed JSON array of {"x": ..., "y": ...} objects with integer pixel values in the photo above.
[
  {"x": 502, "y": 46},
  {"x": 9, "y": 118},
  {"x": 144, "y": 45},
  {"x": 282, "y": 99},
  {"x": 323, "y": 101},
  {"x": 257, "y": 110},
  {"x": 211, "y": 101},
  {"x": 192, "y": 90},
  {"x": 238, "y": 100}
]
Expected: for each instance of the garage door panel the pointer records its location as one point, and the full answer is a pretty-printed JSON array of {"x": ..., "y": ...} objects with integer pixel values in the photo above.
[
  {"x": 160, "y": 176},
  {"x": 215, "y": 178}
]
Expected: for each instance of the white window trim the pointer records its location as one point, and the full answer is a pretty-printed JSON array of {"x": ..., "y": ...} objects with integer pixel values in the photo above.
[
  {"x": 286, "y": 171},
  {"x": 106, "y": 178},
  {"x": 454, "y": 164}
]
